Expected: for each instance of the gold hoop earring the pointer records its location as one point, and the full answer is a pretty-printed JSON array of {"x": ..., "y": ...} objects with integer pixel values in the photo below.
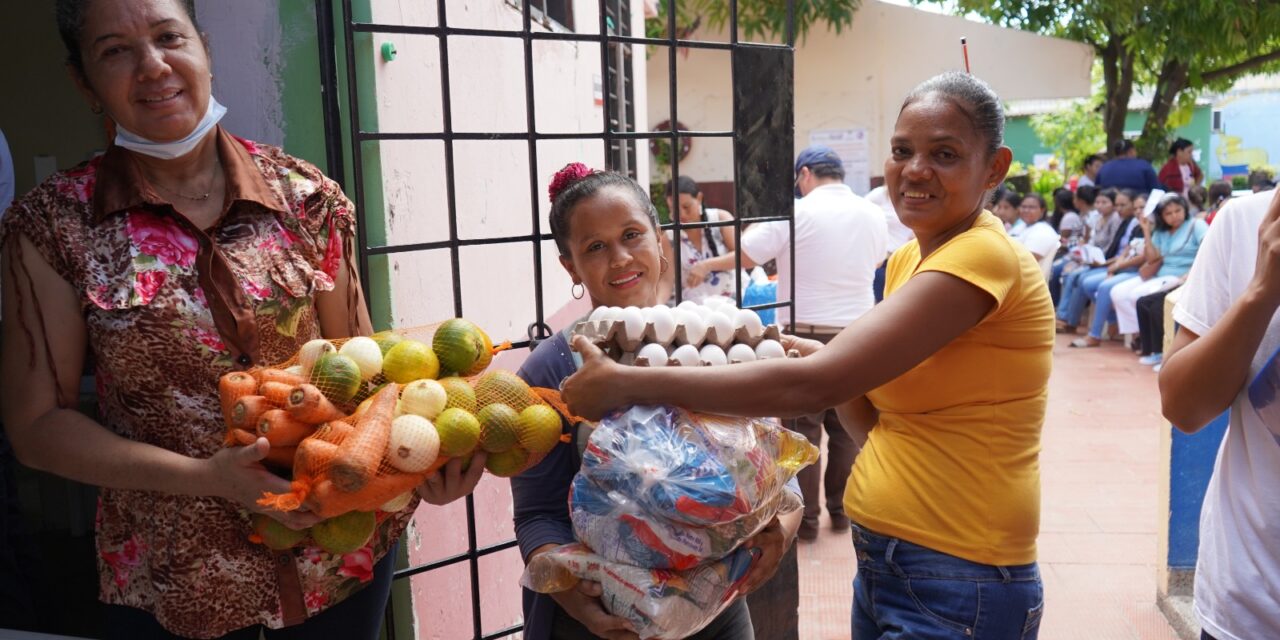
[
  {"x": 665, "y": 265},
  {"x": 577, "y": 291},
  {"x": 96, "y": 109}
]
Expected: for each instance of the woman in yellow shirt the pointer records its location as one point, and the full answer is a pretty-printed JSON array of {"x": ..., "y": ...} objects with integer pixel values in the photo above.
[{"x": 945, "y": 380}]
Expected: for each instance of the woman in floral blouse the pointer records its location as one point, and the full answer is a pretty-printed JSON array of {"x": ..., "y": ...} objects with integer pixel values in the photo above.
[{"x": 181, "y": 254}]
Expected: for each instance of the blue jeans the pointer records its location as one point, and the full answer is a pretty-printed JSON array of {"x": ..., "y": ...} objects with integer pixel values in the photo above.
[
  {"x": 1055, "y": 279},
  {"x": 1072, "y": 303},
  {"x": 906, "y": 591},
  {"x": 1104, "y": 310}
]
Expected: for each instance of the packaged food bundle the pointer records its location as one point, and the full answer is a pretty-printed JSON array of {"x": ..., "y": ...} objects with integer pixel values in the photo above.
[
  {"x": 661, "y": 604},
  {"x": 715, "y": 332},
  {"x": 664, "y": 488},
  {"x": 358, "y": 423}
]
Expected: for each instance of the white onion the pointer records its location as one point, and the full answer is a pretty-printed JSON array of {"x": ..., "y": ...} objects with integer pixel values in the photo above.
[
  {"x": 366, "y": 353},
  {"x": 713, "y": 355},
  {"x": 656, "y": 353},
  {"x": 687, "y": 355},
  {"x": 770, "y": 349}
]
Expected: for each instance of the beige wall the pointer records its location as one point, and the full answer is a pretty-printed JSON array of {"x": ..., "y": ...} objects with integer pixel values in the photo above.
[
  {"x": 859, "y": 77},
  {"x": 41, "y": 113},
  {"x": 493, "y": 199}
]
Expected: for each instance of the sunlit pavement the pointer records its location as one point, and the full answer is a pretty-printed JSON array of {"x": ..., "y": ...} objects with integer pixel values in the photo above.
[{"x": 1099, "y": 519}]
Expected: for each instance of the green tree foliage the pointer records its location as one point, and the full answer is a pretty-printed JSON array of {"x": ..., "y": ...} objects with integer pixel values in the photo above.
[
  {"x": 1074, "y": 133},
  {"x": 756, "y": 18},
  {"x": 1175, "y": 48}
]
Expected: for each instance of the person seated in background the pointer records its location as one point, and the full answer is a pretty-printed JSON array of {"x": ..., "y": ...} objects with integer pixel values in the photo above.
[
  {"x": 1091, "y": 166},
  {"x": 1006, "y": 206},
  {"x": 1039, "y": 237},
  {"x": 1197, "y": 196},
  {"x": 1126, "y": 170},
  {"x": 1172, "y": 239},
  {"x": 1260, "y": 180},
  {"x": 698, "y": 245},
  {"x": 1082, "y": 260},
  {"x": 1065, "y": 218},
  {"x": 1083, "y": 201},
  {"x": 1123, "y": 259},
  {"x": 1180, "y": 172},
  {"x": 1219, "y": 193}
]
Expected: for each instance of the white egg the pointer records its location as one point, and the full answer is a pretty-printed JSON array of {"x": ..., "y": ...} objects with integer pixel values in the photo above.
[
  {"x": 687, "y": 355},
  {"x": 688, "y": 305},
  {"x": 741, "y": 352},
  {"x": 770, "y": 349},
  {"x": 713, "y": 355},
  {"x": 750, "y": 320},
  {"x": 664, "y": 324},
  {"x": 703, "y": 312},
  {"x": 695, "y": 328},
  {"x": 598, "y": 314},
  {"x": 656, "y": 353},
  {"x": 723, "y": 327},
  {"x": 719, "y": 302},
  {"x": 633, "y": 323}
]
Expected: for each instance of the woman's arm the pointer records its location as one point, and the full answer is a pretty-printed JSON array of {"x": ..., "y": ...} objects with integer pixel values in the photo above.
[
  {"x": 65, "y": 442},
  {"x": 334, "y": 308},
  {"x": 1202, "y": 375},
  {"x": 859, "y": 417},
  {"x": 931, "y": 310}
]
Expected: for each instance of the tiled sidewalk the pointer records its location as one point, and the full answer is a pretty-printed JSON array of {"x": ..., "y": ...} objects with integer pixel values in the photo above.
[{"x": 1098, "y": 510}]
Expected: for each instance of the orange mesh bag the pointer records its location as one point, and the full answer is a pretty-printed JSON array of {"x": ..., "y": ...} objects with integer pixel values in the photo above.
[{"x": 361, "y": 422}]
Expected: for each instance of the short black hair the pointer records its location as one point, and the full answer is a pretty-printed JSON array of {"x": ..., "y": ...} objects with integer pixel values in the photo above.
[
  {"x": 1090, "y": 159},
  {"x": 1172, "y": 198},
  {"x": 1087, "y": 194},
  {"x": 1011, "y": 196},
  {"x": 683, "y": 184},
  {"x": 1179, "y": 145},
  {"x": 1121, "y": 147},
  {"x": 975, "y": 98},
  {"x": 1109, "y": 193},
  {"x": 1037, "y": 197},
  {"x": 568, "y": 198},
  {"x": 70, "y": 17}
]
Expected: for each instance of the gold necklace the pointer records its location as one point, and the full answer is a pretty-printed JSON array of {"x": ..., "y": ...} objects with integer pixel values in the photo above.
[{"x": 196, "y": 198}]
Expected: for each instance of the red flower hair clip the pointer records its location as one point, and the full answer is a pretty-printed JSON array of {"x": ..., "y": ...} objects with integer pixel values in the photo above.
[{"x": 570, "y": 175}]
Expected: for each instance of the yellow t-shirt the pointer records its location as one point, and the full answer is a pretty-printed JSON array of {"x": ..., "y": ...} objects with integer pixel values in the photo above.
[{"x": 953, "y": 464}]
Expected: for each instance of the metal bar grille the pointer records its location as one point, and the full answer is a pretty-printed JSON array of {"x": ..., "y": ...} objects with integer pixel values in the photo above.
[{"x": 619, "y": 133}]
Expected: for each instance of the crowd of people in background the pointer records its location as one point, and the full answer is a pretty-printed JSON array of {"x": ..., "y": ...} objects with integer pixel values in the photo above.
[{"x": 1118, "y": 243}]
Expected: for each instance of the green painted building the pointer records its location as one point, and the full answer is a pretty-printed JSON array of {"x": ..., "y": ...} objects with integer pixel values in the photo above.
[{"x": 1026, "y": 144}]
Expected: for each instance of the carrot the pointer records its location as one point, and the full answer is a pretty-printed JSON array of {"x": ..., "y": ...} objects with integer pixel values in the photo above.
[
  {"x": 277, "y": 393},
  {"x": 281, "y": 430},
  {"x": 305, "y": 403},
  {"x": 232, "y": 387},
  {"x": 314, "y": 456},
  {"x": 278, "y": 375},
  {"x": 247, "y": 410},
  {"x": 330, "y": 501},
  {"x": 241, "y": 437},
  {"x": 362, "y": 452},
  {"x": 334, "y": 431},
  {"x": 281, "y": 457}
]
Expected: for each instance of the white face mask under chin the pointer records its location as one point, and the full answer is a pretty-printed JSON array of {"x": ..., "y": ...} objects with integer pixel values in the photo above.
[{"x": 176, "y": 148}]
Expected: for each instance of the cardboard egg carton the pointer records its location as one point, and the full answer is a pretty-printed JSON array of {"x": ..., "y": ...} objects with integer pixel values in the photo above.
[
  {"x": 611, "y": 337},
  {"x": 613, "y": 333}
]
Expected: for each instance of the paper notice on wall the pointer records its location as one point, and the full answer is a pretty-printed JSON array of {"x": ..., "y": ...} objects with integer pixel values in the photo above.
[{"x": 853, "y": 148}]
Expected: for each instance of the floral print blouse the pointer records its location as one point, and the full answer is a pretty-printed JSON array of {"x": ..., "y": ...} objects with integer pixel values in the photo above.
[{"x": 169, "y": 309}]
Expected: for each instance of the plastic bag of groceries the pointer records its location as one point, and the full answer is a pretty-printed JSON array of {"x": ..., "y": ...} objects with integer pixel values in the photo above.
[
  {"x": 664, "y": 488},
  {"x": 661, "y": 604}
]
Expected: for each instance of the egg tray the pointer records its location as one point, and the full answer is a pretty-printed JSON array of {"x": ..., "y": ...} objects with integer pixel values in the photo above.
[{"x": 611, "y": 337}]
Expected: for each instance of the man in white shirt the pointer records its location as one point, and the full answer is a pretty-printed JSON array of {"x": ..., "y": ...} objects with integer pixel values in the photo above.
[
  {"x": 840, "y": 240},
  {"x": 1223, "y": 357},
  {"x": 899, "y": 234}
]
